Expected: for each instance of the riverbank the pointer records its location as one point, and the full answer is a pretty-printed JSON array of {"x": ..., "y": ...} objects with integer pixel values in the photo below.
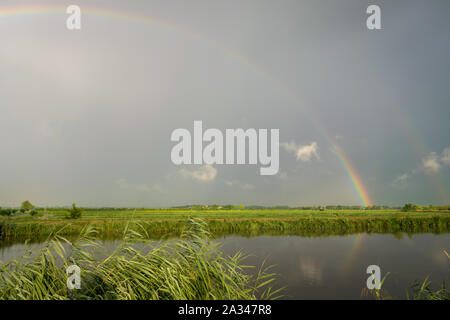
[{"x": 171, "y": 223}]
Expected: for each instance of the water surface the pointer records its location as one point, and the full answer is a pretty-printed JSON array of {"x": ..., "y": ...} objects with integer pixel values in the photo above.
[{"x": 333, "y": 267}]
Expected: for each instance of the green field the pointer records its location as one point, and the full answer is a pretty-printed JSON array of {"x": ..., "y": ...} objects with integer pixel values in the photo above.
[{"x": 247, "y": 222}]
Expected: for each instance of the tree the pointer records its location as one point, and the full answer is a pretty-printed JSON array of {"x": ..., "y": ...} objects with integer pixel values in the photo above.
[
  {"x": 26, "y": 205},
  {"x": 75, "y": 213},
  {"x": 6, "y": 212},
  {"x": 408, "y": 207}
]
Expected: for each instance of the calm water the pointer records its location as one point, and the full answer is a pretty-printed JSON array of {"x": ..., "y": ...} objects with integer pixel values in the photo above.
[{"x": 335, "y": 267}]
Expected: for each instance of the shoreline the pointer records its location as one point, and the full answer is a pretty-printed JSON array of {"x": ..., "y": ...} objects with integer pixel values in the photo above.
[{"x": 160, "y": 224}]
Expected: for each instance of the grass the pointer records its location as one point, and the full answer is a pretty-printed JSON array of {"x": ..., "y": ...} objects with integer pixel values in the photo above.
[
  {"x": 423, "y": 291},
  {"x": 419, "y": 290},
  {"x": 189, "y": 268},
  {"x": 170, "y": 222},
  {"x": 169, "y": 214}
]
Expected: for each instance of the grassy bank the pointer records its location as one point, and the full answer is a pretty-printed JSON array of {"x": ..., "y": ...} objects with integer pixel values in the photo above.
[{"x": 171, "y": 223}]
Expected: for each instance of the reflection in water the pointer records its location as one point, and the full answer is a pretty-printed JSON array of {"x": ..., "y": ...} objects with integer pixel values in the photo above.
[
  {"x": 319, "y": 268},
  {"x": 311, "y": 271},
  {"x": 330, "y": 267}
]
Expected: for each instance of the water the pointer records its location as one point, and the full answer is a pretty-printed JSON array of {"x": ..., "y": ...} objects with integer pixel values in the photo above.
[{"x": 334, "y": 267}]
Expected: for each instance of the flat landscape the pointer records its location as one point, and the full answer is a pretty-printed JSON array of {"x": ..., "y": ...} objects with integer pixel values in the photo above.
[
  {"x": 170, "y": 222},
  {"x": 192, "y": 246}
]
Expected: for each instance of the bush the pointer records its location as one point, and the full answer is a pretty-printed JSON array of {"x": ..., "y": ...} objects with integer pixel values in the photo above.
[
  {"x": 26, "y": 206},
  {"x": 75, "y": 213},
  {"x": 6, "y": 212},
  {"x": 409, "y": 207}
]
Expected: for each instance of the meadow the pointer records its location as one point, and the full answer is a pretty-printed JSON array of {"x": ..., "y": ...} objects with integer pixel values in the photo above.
[{"x": 247, "y": 222}]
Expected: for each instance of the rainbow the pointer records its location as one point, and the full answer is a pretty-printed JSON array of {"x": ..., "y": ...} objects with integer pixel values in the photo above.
[
  {"x": 354, "y": 177},
  {"x": 354, "y": 251},
  {"x": 20, "y": 10}
]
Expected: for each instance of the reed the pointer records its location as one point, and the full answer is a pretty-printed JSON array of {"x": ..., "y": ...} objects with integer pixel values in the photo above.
[
  {"x": 189, "y": 268},
  {"x": 11, "y": 230}
]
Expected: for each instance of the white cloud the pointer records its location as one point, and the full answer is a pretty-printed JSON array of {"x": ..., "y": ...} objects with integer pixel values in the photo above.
[
  {"x": 402, "y": 178},
  {"x": 205, "y": 173},
  {"x": 431, "y": 162},
  {"x": 445, "y": 157},
  {"x": 303, "y": 153}
]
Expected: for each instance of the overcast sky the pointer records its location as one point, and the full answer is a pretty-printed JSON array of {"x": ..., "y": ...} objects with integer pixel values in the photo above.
[{"x": 86, "y": 116}]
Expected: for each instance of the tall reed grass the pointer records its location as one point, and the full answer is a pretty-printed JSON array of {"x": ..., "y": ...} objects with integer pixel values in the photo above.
[
  {"x": 304, "y": 226},
  {"x": 189, "y": 268}
]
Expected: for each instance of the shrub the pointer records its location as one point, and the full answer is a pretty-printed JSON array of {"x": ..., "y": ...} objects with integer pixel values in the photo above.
[
  {"x": 75, "y": 213},
  {"x": 408, "y": 207},
  {"x": 6, "y": 212},
  {"x": 26, "y": 206}
]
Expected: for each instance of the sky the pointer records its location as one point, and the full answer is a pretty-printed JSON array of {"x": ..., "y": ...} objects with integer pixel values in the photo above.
[{"x": 86, "y": 115}]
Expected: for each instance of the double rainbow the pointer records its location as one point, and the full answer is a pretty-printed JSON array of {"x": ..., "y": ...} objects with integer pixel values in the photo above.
[{"x": 23, "y": 10}]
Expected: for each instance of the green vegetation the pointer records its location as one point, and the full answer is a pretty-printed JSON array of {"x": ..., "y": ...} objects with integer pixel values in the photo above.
[
  {"x": 190, "y": 268},
  {"x": 409, "y": 207},
  {"x": 74, "y": 213},
  {"x": 38, "y": 223},
  {"x": 6, "y": 212},
  {"x": 423, "y": 291},
  {"x": 419, "y": 290},
  {"x": 247, "y": 222},
  {"x": 26, "y": 206}
]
